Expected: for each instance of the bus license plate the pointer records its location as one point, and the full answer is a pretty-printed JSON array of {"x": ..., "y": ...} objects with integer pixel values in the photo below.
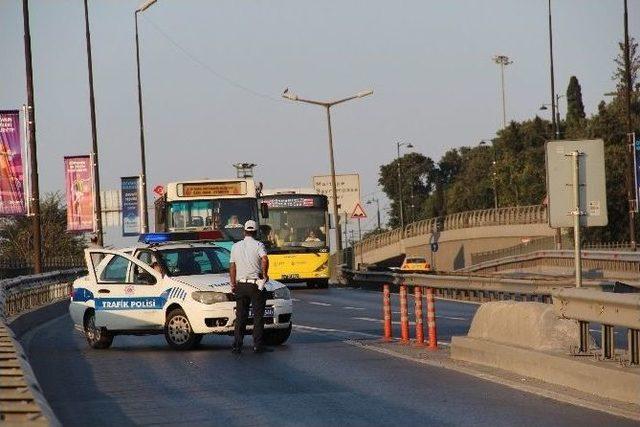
[
  {"x": 290, "y": 276},
  {"x": 268, "y": 312}
]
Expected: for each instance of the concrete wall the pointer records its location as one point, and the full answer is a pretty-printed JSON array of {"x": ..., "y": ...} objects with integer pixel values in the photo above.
[{"x": 456, "y": 246}]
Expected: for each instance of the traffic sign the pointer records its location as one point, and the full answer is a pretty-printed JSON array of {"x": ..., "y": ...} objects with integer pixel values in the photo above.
[
  {"x": 159, "y": 190},
  {"x": 358, "y": 212}
]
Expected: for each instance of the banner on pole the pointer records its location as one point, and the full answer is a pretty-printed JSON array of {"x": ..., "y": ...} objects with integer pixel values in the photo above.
[
  {"x": 11, "y": 170},
  {"x": 79, "y": 192},
  {"x": 130, "y": 205}
]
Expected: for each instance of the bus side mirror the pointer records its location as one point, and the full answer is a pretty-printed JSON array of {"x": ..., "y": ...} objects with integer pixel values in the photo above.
[{"x": 264, "y": 210}]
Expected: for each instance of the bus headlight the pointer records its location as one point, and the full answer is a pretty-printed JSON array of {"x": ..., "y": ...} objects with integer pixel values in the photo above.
[
  {"x": 208, "y": 297},
  {"x": 282, "y": 293}
]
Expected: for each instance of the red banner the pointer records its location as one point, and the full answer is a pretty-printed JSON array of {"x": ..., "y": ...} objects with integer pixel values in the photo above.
[
  {"x": 79, "y": 188},
  {"x": 11, "y": 173}
]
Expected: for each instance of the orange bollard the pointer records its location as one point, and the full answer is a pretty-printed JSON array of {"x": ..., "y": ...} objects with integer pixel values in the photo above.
[
  {"x": 404, "y": 315},
  {"x": 417, "y": 296},
  {"x": 386, "y": 313},
  {"x": 431, "y": 320}
]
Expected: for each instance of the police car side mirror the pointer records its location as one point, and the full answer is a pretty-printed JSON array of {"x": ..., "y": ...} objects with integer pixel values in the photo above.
[
  {"x": 145, "y": 278},
  {"x": 264, "y": 210}
]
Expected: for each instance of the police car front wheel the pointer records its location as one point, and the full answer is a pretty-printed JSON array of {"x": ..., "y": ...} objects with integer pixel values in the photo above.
[
  {"x": 178, "y": 331},
  {"x": 98, "y": 338}
]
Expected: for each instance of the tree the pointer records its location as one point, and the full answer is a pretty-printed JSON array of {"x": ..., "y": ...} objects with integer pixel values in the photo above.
[
  {"x": 418, "y": 174},
  {"x": 16, "y": 237},
  {"x": 620, "y": 73},
  {"x": 575, "y": 106}
]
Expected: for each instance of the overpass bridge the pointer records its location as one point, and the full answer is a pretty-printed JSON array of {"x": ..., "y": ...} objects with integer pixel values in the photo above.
[{"x": 458, "y": 236}]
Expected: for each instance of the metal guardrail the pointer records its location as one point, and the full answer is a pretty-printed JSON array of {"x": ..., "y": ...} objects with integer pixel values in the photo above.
[
  {"x": 21, "y": 399},
  {"x": 610, "y": 310},
  {"x": 535, "y": 214},
  {"x": 628, "y": 262},
  {"x": 480, "y": 288}
]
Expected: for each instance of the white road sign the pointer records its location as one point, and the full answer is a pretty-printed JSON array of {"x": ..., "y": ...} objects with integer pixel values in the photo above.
[{"x": 347, "y": 189}]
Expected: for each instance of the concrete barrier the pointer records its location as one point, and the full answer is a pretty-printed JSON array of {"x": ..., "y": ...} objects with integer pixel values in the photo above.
[{"x": 530, "y": 340}]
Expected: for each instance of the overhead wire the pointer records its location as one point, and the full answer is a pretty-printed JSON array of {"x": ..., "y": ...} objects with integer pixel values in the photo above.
[{"x": 207, "y": 67}]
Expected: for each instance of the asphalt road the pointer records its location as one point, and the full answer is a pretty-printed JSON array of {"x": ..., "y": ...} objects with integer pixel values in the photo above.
[{"x": 315, "y": 379}]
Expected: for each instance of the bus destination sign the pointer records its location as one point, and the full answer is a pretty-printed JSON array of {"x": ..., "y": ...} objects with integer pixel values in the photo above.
[
  {"x": 208, "y": 189},
  {"x": 292, "y": 202}
]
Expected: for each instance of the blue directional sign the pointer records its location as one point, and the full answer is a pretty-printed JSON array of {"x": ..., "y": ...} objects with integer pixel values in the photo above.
[{"x": 636, "y": 167}]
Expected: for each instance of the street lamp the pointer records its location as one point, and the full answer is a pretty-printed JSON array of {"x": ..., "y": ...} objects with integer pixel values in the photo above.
[
  {"x": 97, "y": 206},
  {"x": 494, "y": 172},
  {"x": 327, "y": 105},
  {"x": 555, "y": 109},
  {"x": 398, "y": 145},
  {"x": 503, "y": 61},
  {"x": 144, "y": 220},
  {"x": 377, "y": 201}
]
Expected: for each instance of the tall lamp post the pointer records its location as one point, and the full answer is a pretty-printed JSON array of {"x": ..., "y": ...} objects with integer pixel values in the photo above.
[
  {"x": 503, "y": 61},
  {"x": 555, "y": 122},
  {"x": 555, "y": 113},
  {"x": 630, "y": 174},
  {"x": 398, "y": 145},
  {"x": 33, "y": 154},
  {"x": 377, "y": 201},
  {"x": 493, "y": 172},
  {"x": 327, "y": 105},
  {"x": 144, "y": 220},
  {"x": 97, "y": 206}
]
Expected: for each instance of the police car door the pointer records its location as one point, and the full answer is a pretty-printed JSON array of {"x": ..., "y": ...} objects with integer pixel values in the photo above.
[{"x": 127, "y": 295}]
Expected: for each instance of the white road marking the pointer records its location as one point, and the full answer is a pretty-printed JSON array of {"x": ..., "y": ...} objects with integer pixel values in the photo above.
[
  {"x": 305, "y": 328},
  {"x": 324, "y": 304},
  {"x": 353, "y": 308},
  {"x": 395, "y": 322},
  {"x": 295, "y": 299}
]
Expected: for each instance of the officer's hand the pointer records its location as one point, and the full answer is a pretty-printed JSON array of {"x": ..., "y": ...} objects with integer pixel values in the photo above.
[
  {"x": 234, "y": 287},
  {"x": 266, "y": 279}
]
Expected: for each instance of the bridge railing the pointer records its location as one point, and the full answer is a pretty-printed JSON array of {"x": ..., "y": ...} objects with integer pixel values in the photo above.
[{"x": 535, "y": 214}]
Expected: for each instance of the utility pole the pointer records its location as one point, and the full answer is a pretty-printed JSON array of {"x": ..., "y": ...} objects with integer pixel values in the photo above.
[
  {"x": 555, "y": 122},
  {"x": 630, "y": 175},
  {"x": 503, "y": 61},
  {"x": 31, "y": 121},
  {"x": 97, "y": 204}
]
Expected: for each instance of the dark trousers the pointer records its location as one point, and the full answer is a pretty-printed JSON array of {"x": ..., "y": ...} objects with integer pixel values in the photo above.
[{"x": 248, "y": 293}]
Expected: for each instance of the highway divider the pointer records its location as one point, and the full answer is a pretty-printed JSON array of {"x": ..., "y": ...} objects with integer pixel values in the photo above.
[
  {"x": 21, "y": 399},
  {"x": 609, "y": 310}
]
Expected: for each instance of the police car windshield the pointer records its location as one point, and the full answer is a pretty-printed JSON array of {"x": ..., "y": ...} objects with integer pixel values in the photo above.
[{"x": 195, "y": 261}]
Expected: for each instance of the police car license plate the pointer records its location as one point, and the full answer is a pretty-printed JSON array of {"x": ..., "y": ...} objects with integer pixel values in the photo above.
[{"x": 268, "y": 312}]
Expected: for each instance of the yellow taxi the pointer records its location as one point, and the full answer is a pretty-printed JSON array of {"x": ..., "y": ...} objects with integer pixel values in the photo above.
[{"x": 415, "y": 265}]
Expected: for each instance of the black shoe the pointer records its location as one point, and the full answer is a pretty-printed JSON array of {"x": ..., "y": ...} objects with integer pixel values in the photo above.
[
  {"x": 262, "y": 349},
  {"x": 236, "y": 350}
]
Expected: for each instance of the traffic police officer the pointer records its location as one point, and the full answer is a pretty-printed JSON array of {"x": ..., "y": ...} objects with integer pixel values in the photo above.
[{"x": 248, "y": 272}]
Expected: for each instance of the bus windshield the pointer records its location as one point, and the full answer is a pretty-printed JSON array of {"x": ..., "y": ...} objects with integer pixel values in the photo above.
[
  {"x": 295, "y": 228},
  {"x": 225, "y": 215}
]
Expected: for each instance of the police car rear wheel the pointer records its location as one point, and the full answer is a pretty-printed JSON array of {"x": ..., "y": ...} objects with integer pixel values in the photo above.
[
  {"x": 178, "y": 331},
  {"x": 98, "y": 338},
  {"x": 276, "y": 336}
]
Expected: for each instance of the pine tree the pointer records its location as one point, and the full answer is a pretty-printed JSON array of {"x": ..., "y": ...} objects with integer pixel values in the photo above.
[{"x": 575, "y": 106}]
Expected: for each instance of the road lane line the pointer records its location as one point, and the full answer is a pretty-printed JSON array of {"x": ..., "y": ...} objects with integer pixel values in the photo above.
[
  {"x": 353, "y": 308},
  {"x": 305, "y": 328},
  {"x": 324, "y": 304},
  {"x": 371, "y": 319}
]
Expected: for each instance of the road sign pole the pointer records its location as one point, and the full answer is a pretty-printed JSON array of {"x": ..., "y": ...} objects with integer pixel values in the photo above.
[{"x": 575, "y": 155}]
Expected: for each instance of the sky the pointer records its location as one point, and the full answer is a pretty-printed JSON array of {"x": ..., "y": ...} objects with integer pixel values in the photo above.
[{"x": 213, "y": 73}]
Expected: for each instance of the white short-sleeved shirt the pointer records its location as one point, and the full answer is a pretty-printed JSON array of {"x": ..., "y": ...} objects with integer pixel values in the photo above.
[{"x": 247, "y": 255}]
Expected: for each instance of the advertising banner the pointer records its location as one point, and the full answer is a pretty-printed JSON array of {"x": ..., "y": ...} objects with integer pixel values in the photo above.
[
  {"x": 130, "y": 205},
  {"x": 11, "y": 172},
  {"x": 636, "y": 168},
  {"x": 79, "y": 191}
]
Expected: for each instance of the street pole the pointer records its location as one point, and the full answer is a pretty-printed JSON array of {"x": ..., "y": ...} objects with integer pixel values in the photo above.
[
  {"x": 33, "y": 154},
  {"x": 334, "y": 190},
  {"x": 503, "y": 61},
  {"x": 630, "y": 174},
  {"x": 327, "y": 105},
  {"x": 378, "y": 213},
  {"x": 555, "y": 123},
  {"x": 400, "y": 188},
  {"x": 576, "y": 216},
  {"x": 144, "y": 220},
  {"x": 97, "y": 208}
]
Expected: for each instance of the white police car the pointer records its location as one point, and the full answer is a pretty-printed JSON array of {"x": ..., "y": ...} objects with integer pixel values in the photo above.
[{"x": 124, "y": 295}]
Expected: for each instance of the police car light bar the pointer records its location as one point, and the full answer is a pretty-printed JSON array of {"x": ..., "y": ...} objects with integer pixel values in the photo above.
[{"x": 180, "y": 236}]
